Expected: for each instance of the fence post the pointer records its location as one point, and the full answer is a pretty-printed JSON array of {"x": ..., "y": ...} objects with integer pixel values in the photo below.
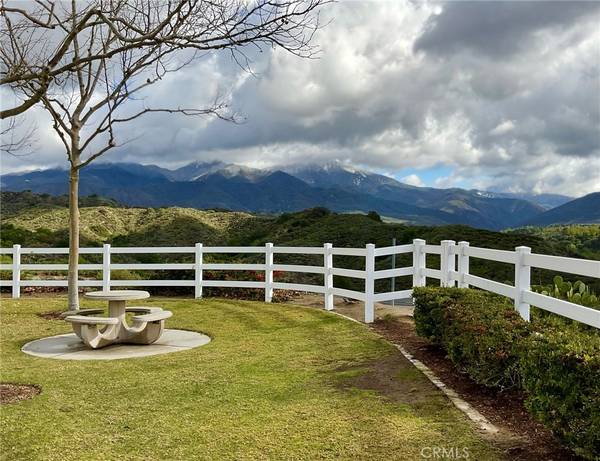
[
  {"x": 393, "y": 279},
  {"x": 522, "y": 281},
  {"x": 16, "y": 272},
  {"x": 418, "y": 263},
  {"x": 463, "y": 264},
  {"x": 370, "y": 283},
  {"x": 106, "y": 267},
  {"x": 328, "y": 263},
  {"x": 268, "y": 272},
  {"x": 198, "y": 271},
  {"x": 447, "y": 263}
]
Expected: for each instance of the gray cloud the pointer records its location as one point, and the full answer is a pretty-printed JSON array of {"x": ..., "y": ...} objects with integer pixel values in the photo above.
[
  {"x": 514, "y": 106},
  {"x": 498, "y": 28}
]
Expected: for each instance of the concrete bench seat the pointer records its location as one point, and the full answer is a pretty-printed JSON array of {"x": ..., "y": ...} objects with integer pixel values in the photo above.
[
  {"x": 88, "y": 320},
  {"x": 143, "y": 310},
  {"x": 95, "y": 331},
  {"x": 153, "y": 317},
  {"x": 81, "y": 312}
]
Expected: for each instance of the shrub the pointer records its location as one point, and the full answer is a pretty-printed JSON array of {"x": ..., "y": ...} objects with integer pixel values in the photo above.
[
  {"x": 480, "y": 331},
  {"x": 429, "y": 314},
  {"x": 124, "y": 274},
  {"x": 555, "y": 361},
  {"x": 560, "y": 370}
]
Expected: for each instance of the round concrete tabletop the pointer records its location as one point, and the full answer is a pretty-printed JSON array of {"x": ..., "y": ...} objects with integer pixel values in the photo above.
[
  {"x": 70, "y": 347},
  {"x": 117, "y": 295}
]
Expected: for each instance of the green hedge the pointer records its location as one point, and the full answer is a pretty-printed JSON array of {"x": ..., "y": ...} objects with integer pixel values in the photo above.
[
  {"x": 556, "y": 362},
  {"x": 560, "y": 368},
  {"x": 481, "y": 332}
]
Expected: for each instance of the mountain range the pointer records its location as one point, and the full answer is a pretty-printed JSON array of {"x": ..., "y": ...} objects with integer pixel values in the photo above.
[
  {"x": 584, "y": 210},
  {"x": 335, "y": 185}
]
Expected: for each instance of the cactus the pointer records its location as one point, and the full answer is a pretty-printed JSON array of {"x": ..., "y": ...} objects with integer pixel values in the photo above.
[
  {"x": 576, "y": 292},
  {"x": 558, "y": 280}
]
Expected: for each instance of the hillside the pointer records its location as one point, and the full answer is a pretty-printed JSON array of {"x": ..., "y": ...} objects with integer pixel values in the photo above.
[
  {"x": 584, "y": 210},
  {"x": 126, "y": 226},
  {"x": 11, "y": 203},
  {"x": 184, "y": 227},
  {"x": 578, "y": 240},
  {"x": 27, "y": 217},
  {"x": 334, "y": 186},
  {"x": 546, "y": 201}
]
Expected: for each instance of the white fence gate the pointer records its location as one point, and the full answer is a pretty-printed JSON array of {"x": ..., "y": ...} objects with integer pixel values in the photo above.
[{"x": 449, "y": 273}]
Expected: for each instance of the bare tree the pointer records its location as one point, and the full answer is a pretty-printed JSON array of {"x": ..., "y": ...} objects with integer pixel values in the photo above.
[{"x": 88, "y": 63}]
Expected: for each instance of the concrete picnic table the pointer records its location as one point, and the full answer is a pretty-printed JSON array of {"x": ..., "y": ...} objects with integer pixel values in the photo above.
[{"x": 97, "y": 332}]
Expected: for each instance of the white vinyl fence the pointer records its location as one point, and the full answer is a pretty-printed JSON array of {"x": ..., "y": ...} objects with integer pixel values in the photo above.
[{"x": 454, "y": 269}]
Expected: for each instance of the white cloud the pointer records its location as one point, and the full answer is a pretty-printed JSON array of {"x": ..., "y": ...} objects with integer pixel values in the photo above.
[
  {"x": 412, "y": 180},
  {"x": 503, "y": 128}
]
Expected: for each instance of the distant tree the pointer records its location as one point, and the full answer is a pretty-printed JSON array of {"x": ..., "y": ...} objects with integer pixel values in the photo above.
[
  {"x": 317, "y": 212},
  {"x": 374, "y": 216},
  {"x": 84, "y": 62}
]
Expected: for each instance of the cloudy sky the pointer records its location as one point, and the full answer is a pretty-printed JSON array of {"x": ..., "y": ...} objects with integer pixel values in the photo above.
[{"x": 486, "y": 94}]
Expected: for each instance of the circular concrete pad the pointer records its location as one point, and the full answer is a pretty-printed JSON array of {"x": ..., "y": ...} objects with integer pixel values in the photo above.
[{"x": 70, "y": 347}]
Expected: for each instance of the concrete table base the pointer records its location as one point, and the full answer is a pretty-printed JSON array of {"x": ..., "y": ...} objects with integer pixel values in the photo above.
[{"x": 70, "y": 347}]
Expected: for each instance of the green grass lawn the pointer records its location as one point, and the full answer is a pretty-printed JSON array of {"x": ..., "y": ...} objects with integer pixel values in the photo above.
[{"x": 276, "y": 382}]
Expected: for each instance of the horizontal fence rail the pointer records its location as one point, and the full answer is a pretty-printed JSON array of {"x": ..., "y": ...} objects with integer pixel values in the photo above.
[{"x": 452, "y": 271}]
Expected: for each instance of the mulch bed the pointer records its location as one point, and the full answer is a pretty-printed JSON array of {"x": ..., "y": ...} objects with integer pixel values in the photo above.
[
  {"x": 527, "y": 440},
  {"x": 11, "y": 393}
]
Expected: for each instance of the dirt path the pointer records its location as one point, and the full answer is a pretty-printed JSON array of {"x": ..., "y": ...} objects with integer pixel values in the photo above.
[{"x": 353, "y": 309}]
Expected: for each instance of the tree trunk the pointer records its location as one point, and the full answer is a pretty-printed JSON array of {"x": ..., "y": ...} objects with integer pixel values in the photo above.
[{"x": 73, "y": 277}]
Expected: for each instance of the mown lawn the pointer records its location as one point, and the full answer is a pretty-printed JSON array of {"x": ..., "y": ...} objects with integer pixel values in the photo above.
[{"x": 276, "y": 382}]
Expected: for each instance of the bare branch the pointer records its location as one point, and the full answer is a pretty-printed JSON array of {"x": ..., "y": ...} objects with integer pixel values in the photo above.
[
  {"x": 139, "y": 26},
  {"x": 16, "y": 139}
]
